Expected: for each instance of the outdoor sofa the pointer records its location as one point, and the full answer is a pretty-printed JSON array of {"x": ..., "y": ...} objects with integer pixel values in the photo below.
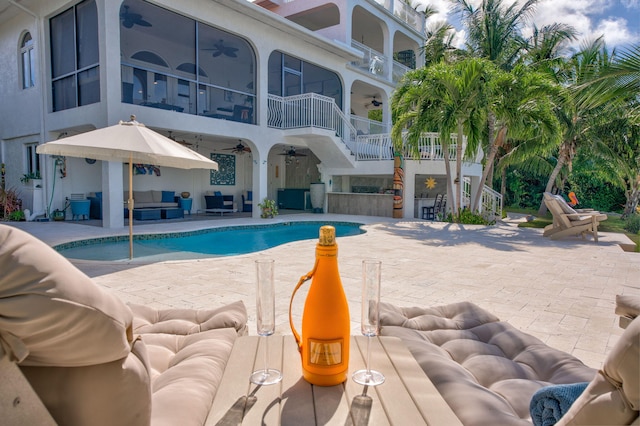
[
  {"x": 488, "y": 371},
  {"x": 72, "y": 353},
  {"x": 149, "y": 199},
  {"x": 216, "y": 202}
]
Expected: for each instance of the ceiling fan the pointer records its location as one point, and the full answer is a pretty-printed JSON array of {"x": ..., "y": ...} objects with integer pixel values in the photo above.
[
  {"x": 129, "y": 19},
  {"x": 238, "y": 149},
  {"x": 291, "y": 152},
  {"x": 220, "y": 49},
  {"x": 374, "y": 102}
]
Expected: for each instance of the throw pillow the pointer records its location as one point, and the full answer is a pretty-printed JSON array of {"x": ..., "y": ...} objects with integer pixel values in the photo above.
[{"x": 167, "y": 196}]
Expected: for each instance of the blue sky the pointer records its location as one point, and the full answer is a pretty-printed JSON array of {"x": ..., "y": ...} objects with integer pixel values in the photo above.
[{"x": 617, "y": 20}]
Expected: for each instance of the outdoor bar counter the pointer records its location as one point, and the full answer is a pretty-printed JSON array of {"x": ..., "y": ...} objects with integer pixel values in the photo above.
[{"x": 364, "y": 204}]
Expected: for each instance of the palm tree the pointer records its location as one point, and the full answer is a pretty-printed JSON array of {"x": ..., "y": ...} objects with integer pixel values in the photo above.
[
  {"x": 580, "y": 107},
  {"x": 449, "y": 99},
  {"x": 521, "y": 105},
  {"x": 547, "y": 49},
  {"x": 439, "y": 44},
  {"x": 494, "y": 29}
]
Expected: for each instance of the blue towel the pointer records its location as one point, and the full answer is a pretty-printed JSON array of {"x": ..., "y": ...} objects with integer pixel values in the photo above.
[{"x": 550, "y": 403}]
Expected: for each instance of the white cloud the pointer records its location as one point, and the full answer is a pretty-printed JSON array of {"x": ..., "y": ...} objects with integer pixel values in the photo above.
[
  {"x": 590, "y": 18},
  {"x": 615, "y": 32}
]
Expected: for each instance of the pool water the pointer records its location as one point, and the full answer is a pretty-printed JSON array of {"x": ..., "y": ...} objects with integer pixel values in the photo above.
[{"x": 215, "y": 242}]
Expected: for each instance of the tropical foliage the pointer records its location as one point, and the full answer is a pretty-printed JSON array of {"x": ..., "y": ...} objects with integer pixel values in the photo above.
[{"x": 547, "y": 118}]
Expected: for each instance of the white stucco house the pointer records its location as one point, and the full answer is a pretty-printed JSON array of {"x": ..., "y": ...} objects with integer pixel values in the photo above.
[{"x": 279, "y": 92}]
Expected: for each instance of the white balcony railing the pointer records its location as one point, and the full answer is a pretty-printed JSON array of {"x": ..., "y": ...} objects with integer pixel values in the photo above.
[
  {"x": 398, "y": 70},
  {"x": 364, "y": 126},
  {"x": 380, "y": 147},
  {"x": 404, "y": 12},
  {"x": 310, "y": 110},
  {"x": 372, "y": 61},
  {"x": 491, "y": 205}
]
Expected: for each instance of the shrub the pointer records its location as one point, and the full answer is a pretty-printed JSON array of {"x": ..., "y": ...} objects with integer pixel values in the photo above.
[
  {"x": 9, "y": 202},
  {"x": 632, "y": 224},
  {"x": 467, "y": 217},
  {"x": 17, "y": 216}
]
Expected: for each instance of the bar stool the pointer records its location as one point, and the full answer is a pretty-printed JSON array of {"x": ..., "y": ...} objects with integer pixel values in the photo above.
[{"x": 429, "y": 212}]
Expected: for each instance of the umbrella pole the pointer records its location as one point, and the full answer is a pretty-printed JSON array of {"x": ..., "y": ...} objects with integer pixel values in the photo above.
[{"x": 130, "y": 205}]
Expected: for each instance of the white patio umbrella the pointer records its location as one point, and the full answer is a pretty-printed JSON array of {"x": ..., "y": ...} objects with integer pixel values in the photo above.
[{"x": 132, "y": 142}]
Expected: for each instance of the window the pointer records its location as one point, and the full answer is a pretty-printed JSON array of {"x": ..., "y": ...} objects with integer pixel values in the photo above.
[
  {"x": 75, "y": 74},
  {"x": 186, "y": 66},
  {"x": 291, "y": 76},
  {"x": 32, "y": 159},
  {"x": 27, "y": 54}
]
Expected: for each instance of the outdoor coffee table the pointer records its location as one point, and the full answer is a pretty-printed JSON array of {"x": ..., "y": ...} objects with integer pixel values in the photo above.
[
  {"x": 172, "y": 213},
  {"x": 406, "y": 397},
  {"x": 146, "y": 214}
]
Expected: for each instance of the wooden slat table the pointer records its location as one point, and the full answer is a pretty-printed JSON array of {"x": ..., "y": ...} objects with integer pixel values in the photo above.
[{"x": 406, "y": 397}]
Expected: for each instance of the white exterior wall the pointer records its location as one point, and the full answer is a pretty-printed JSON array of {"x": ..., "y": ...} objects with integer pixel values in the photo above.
[{"x": 25, "y": 115}]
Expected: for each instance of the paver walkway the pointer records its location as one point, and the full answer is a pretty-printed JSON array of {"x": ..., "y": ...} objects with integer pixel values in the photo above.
[{"x": 562, "y": 291}]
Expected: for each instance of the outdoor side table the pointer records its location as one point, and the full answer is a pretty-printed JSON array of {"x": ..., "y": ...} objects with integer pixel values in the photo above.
[
  {"x": 185, "y": 204},
  {"x": 406, "y": 397},
  {"x": 80, "y": 209}
]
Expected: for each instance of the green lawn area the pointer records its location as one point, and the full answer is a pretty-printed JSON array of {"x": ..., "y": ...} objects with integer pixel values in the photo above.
[{"x": 612, "y": 224}]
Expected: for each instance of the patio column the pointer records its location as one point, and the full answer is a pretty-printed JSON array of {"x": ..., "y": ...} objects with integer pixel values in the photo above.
[
  {"x": 112, "y": 194},
  {"x": 260, "y": 185}
]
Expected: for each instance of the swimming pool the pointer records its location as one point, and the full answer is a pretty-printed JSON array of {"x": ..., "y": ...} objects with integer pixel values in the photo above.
[{"x": 205, "y": 243}]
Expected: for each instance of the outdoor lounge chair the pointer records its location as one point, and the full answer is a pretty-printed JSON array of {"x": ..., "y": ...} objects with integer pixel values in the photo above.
[
  {"x": 72, "y": 353},
  {"x": 567, "y": 221},
  {"x": 488, "y": 371}
]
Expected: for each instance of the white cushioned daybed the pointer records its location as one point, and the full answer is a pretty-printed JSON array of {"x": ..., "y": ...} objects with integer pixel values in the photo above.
[
  {"x": 91, "y": 359},
  {"x": 488, "y": 371}
]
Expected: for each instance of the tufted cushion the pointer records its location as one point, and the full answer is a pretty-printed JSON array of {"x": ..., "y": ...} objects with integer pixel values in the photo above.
[
  {"x": 53, "y": 310},
  {"x": 613, "y": 397},
  {"x": 460, "y": 315},
  {"x": 189, "y": 321},
  {"x": 186, "y": 372},
  {"x": 485, "y": 369}
]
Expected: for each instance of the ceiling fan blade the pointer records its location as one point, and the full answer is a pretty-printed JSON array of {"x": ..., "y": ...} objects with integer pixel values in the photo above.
[
  {"x": 143, "y": 23},
  {"x": 217, "y": 53}
]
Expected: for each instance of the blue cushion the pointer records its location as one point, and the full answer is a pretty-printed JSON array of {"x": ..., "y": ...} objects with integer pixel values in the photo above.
[
  {"x": 167, "y": 196},
  {"x": 99, "y": 195},
  {"x": 249, "y": 195},
  {"x": 217, "y": 193}
]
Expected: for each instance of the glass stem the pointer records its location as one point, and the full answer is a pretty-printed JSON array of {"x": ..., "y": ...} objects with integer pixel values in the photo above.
[
  {"x": 266, "y": 355},
  {"x": 368, "y": 356}
]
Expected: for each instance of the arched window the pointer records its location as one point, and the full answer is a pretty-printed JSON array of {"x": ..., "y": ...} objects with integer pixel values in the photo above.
[{"x": 27, "y": 54}]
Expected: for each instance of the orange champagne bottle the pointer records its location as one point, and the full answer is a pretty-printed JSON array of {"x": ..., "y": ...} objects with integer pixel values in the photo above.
[{"x": 324, "y": 346}]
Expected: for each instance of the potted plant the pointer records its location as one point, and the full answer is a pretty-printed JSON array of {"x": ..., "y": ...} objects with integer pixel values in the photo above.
[
  {"x": 28, "y": 177},
  {"x": 268, "y": 208}
]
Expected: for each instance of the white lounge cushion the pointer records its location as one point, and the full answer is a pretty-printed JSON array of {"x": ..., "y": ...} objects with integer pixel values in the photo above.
[
  {"x": 486, "y": 369},
  {"x": 53, "y": 311},
  {"x": 189, "y": 321}
]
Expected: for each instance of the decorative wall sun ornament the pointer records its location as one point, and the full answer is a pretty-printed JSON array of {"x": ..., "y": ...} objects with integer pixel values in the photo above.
[{"x": 430, "y": 183}]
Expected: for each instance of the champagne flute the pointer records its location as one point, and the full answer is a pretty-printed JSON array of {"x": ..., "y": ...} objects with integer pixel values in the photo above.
[
  {"x": 266, "y": 319},
  {"x": 370, "y": 319}
]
